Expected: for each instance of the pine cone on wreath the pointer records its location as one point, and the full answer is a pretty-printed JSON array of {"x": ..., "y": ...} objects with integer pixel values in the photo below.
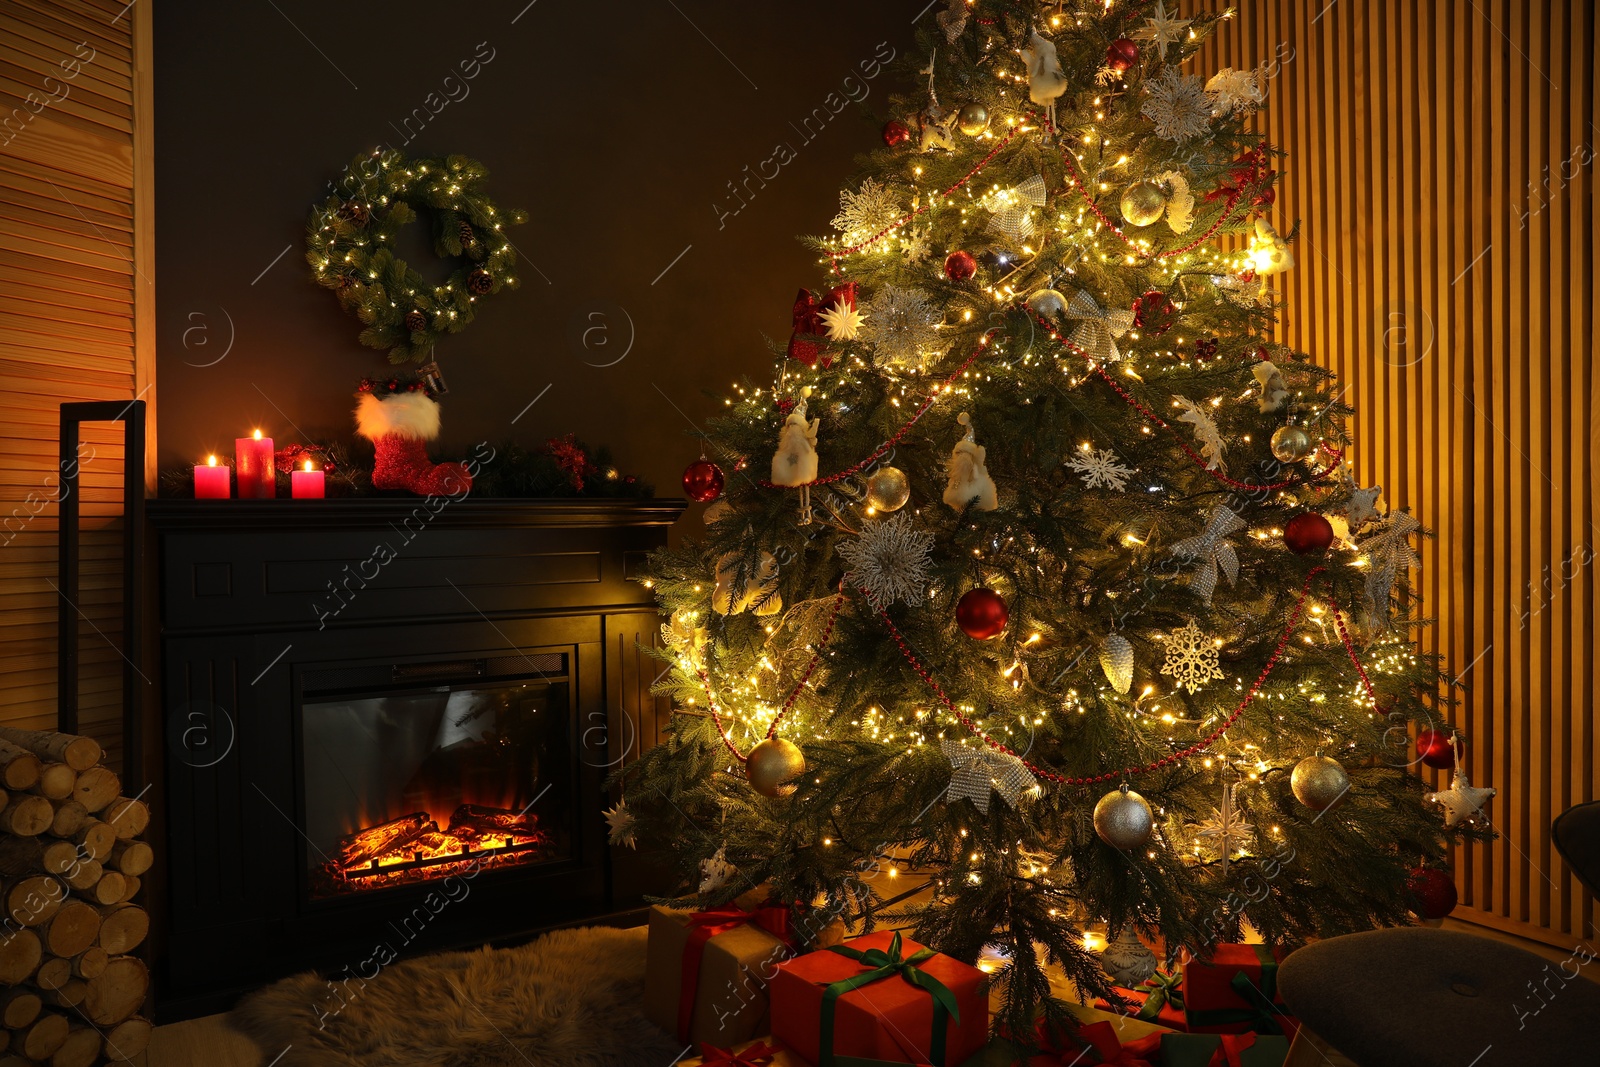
[
  {"x": 469, "y": 237},
  {"x": 480, "y": 282},
  {"x": 416, "y": 321},
  {"x": 354, "y": 211}
]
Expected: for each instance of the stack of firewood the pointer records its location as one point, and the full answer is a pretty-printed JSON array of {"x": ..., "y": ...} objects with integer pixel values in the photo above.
[{"x": 70, "y": 866}]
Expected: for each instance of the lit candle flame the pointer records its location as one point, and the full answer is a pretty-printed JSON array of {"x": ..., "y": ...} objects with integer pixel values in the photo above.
[
  {"x": 211, "y": 461},
  {"x": 258, "y": 435},
  {"x": 308, "y": 465}
]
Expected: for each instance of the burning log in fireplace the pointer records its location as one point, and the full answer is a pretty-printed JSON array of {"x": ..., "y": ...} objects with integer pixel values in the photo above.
[{"x": 413, "y": 846}]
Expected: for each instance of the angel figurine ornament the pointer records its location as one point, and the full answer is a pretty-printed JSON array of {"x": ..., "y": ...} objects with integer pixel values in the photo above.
[
  {"x": 1046, "y": 82},
  {"x": 795, "y": 463},
  {"x": 969, "y": 482}
]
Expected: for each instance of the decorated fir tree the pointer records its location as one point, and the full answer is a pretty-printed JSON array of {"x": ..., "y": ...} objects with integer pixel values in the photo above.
[{"x": 1039, "y": 555}]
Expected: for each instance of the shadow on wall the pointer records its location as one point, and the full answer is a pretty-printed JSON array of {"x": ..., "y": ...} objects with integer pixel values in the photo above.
[{"x": 667, "y": 152}]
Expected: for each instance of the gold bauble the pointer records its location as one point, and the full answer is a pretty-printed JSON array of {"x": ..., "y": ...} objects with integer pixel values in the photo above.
[
  {"x": 773, "y": 765},
  {"x": 888, "y": 489},
  {"x": 1123, "y": 819},
  {"x": 1143, "y": 203},
  {"x": 1319, "y": 782},
  {"x": 1290, "y": 444},
  {"x": 973, "y": 119}
]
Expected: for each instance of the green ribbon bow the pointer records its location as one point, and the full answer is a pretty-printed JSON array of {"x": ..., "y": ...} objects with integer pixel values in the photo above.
[
  {"x": 1164, "y": 989},
  {"x": 886, "y": 963},
  {"x": 1262, "y": 1015}
]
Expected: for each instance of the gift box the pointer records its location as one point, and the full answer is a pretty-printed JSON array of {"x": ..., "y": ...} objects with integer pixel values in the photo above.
[
  {"x": 764, "y": 1053},
  {"x": 706, "y": 972},
  {"x": 1235, "y": 990},
  {"x": 880, "y": 997},
  {"x": 1095, "y": 1043},
  {"x": 1158, "y": 999},
  {"x": 1223, "y": 1050}
]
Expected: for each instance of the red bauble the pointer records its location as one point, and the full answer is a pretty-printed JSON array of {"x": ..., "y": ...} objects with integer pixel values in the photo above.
[
  {"x": 702, "y": 481},
  {"x": 1155, "y": 312},
  {"x": 1436, "y": 748},
  {"x": 1434, "y": 892},
  {"x": 1308, "y": 532},
  {"x": 981, "y": 613},
  {"x": 896, "y": 133},
  {"x": 959, "y": 266},
  {"x": 1122, "y": 54}
]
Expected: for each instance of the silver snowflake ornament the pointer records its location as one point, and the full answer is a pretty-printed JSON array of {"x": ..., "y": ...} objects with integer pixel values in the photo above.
[
  {"x": 1192, "y": 658},
  {"x": 977, "y": 772},
  {"x": 1100, "y": 469},
  {"x": 866, "y": 212},
  {"x": 1178, "y": 106},
  {"x": 621, "y": 825},
  {"x": 901, "y": 326},
  {"x": 914, "y": 245},
  {"x": 1205, "y": 432},
  {"x": 1212, "y": 552},
  {"x": 889, "y": 561}
]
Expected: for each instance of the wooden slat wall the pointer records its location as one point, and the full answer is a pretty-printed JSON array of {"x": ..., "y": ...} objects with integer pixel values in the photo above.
[
  {"x": 76, "y": 322},
  {"x": 1441, "y": 165}
]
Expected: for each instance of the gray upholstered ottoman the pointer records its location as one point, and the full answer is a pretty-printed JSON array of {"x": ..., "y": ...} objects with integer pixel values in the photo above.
[{"x": 1435, "y": 998}]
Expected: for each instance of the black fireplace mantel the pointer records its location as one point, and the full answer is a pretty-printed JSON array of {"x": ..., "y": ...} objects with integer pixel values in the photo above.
[{"x": 257, "y": 597}]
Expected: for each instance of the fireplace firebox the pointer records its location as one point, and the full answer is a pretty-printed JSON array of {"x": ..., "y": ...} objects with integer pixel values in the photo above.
[{"x": 350, "y": 746}]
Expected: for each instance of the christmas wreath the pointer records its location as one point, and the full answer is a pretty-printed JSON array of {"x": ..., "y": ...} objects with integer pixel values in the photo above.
[{"x": 348, "y": 246}]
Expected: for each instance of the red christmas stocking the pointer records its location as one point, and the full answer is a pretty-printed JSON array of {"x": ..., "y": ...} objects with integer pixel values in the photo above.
[{"x": 398, "y": 426}]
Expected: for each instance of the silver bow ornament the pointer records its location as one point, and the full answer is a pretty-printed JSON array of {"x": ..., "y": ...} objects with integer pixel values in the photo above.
[
  {"x": 1012, "y": 209},
  {"x": 1098, "y": 329},
  {"x": 1212, "y": 551},
  {"x": 979, "y": 771}
]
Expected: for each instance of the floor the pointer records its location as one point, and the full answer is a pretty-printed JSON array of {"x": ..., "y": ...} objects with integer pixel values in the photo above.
[{"x": 209, "y": 1042}]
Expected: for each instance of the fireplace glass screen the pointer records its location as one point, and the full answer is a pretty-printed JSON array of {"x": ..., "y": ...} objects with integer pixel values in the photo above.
[{"x": 421, "y": 784}]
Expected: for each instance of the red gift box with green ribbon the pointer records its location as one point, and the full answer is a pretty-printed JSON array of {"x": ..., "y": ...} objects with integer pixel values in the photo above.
[
  {"x": 1235, "y": 990},
  {"x": 884, "y": 998},
  {"x": 1158, "y": 999}
]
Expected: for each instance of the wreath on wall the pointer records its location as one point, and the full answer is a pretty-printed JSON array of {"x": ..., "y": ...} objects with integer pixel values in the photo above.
[{"x": 348, "y": 246}]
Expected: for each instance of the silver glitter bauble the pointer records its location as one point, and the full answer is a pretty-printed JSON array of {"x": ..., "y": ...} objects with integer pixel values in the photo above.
[
  {"x": 1143, "y": 203},
  {"x": 773, "y": 765},
  {"x": 1123, "y": 820},
  {"x": 1047, "y": 302},
  {"x": 888, "y": 489},
  {"x": 1290, "y": 444},
  {"x": 1319, "y": 782}
]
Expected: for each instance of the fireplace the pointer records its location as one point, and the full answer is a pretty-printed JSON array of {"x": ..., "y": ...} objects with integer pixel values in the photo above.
[
  {"x": 448, "y": 768},
  {"x": 353, "y": 751}
]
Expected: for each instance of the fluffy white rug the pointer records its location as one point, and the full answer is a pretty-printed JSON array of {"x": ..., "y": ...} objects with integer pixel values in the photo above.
[{"x": 570, "y": 998}]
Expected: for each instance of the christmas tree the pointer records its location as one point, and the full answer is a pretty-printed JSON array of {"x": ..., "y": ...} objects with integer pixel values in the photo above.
[{"x": 1057, "y": 584}]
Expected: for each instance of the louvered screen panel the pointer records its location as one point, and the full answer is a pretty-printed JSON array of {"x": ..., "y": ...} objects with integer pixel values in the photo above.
[
  {"x": 75, "y": 300},
  {"x": 1441, "y": 164}
]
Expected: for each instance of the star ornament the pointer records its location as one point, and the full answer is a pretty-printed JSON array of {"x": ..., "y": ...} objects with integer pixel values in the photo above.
[
  {"x": 981, "y": 771},
  {"x": 1161, "y": 29},
  {"x": 621, "y": 824},
  {"x": 1461, "y": 801},
  {"x": 843, "y": 321}
]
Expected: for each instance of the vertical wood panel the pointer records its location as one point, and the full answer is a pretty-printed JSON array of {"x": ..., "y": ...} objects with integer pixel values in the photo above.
[
  {"x": 1441, "y": 165},
  {"x": 76, "y": 312}
]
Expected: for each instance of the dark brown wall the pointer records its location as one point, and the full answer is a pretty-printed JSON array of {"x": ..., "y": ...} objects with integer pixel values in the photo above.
[{"x": 617, "y": 125}]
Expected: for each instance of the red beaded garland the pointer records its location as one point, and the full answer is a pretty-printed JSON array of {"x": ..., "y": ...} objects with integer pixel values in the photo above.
[
  {"x": 1434, "y": 891},
  {"x": 702, "y": 481},
  {"x": 981, "y": 613},
  {"x": 1122, "y": 55},
  {"x": 1308, "y": 532},
  {"x": 896, "y": 133},
  {"x": 959, "y": 266},
  {"x": 1436, "y": 748}
]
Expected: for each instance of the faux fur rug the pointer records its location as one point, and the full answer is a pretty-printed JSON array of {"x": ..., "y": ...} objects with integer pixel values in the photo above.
[{"x": 571, "y": 998}]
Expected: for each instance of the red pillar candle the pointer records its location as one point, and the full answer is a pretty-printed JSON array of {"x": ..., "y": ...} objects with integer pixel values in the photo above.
[
  {"x": 210, "y": 481},
  {"x": 306, "y": 484},
  {"x": 253, "y": 463}
]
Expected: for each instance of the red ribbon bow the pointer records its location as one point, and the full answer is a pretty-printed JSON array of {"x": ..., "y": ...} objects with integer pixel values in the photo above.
[
  {"x": 1248, "y": 170},
  {"x": 703, "y": 926},
  {"x": 809, "y": 335},
  {"x": 1101, "y": 1039},
  {"x": 1228, "y": 1053},
  {"x": 755, "y": 1056}
]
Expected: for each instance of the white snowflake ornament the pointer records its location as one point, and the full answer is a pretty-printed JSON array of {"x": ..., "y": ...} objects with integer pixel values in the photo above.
[
  {"x": 1205, "y": 432},
  {"x": 621, "y": 825},
  {"x": 1178, "y": 106},
  {"x": 1100, "y": 469},
  {"x": 913, "y": 245},
  {"x": 716, "y": 871},
  {"x": 1192, "y": 658},
  {"x": 866, "y": 212},
  {"x": 889, "y": 561}
]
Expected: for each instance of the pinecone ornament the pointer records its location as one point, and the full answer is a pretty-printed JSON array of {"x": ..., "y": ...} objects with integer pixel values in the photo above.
[
  {"x": 354, "y": 211},
  {"x": 480, "y": 282},
  {"x": 469, "y": 237},
  {"x": 416, "y": 321}
]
